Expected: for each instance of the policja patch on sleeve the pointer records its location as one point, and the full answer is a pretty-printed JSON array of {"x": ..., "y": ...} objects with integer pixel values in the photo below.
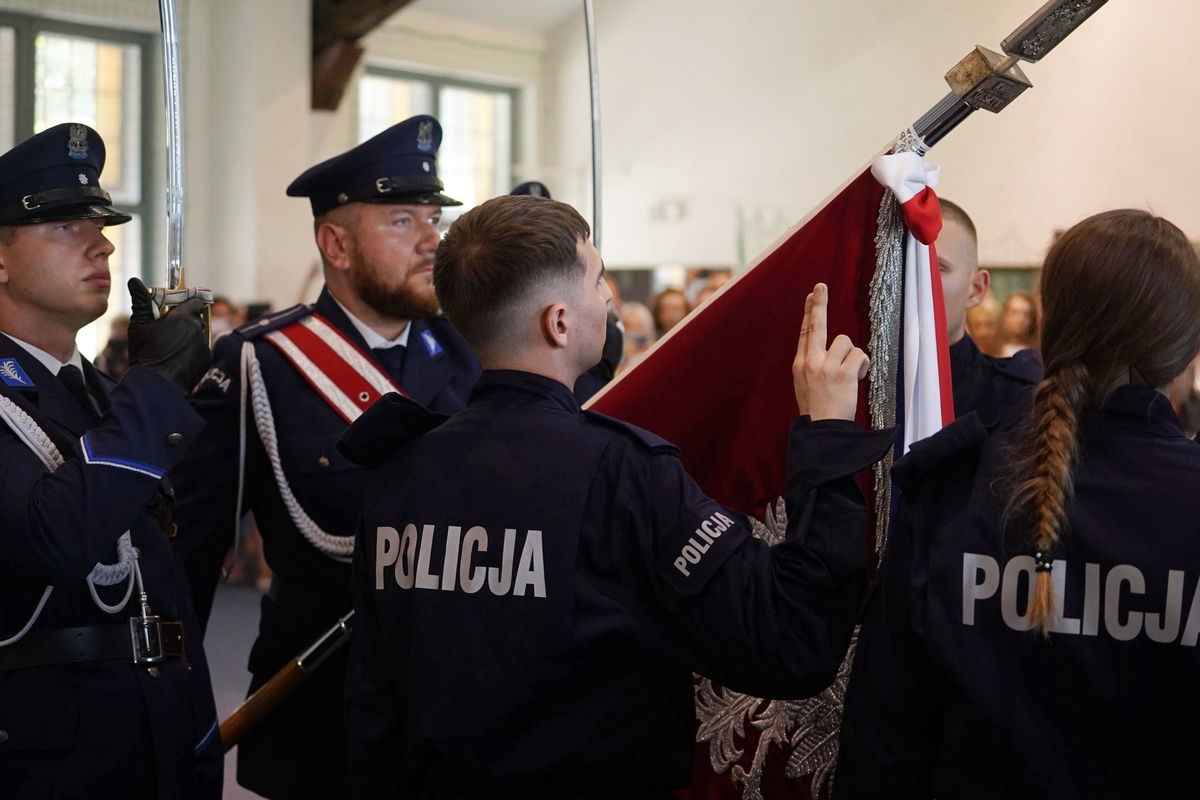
[{"x": 701, "y": 543}]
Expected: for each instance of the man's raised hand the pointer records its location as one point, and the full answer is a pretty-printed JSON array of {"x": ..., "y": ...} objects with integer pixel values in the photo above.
[{"x": 826, "y": 380}]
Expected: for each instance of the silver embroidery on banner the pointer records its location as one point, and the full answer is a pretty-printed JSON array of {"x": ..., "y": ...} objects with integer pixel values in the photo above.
[{"x": 809, "y": 728}]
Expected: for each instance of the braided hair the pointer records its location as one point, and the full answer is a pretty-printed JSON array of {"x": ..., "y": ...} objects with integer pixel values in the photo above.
[{"x": 1120, "y": 296}]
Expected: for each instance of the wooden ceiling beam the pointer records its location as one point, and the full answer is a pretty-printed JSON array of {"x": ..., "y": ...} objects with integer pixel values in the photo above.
[{"x": 338, "y": 25}]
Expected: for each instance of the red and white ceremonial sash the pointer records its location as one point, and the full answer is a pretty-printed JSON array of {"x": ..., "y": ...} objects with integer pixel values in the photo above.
[
  {"x": 340, "y": 372},
  {"x": 926, "y": 386}
]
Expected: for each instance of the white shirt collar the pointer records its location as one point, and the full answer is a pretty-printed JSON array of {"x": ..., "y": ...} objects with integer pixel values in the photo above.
[
  {"x": 373, "y": 339},
  {"x": 48, "y": 361}
]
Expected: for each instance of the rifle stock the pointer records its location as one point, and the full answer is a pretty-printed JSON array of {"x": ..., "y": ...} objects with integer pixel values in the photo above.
[
  {"x": 277, "y": 692},
  {"x": 262, "y": 705}
]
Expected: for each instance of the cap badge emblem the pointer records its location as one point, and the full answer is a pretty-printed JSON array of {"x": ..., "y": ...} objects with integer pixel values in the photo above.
[
  {"x": 83, "y": 179},
  {"x": 425, "y": 136},
  {"x": 425, "y": 165},
  {"x": 77, "y": 143}
]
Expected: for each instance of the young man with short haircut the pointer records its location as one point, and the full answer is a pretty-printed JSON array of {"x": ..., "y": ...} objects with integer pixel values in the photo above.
[{"x": 535, "y": 584}]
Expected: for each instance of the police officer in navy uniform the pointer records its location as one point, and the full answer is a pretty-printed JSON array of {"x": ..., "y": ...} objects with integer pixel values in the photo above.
[
  {"x": 377, "y": 209},
  {"x": 87, "y": 545},
  {"x": 1035, "y": 632},
  {"x": 534, "y": 585},
  {"x": 999, "y": 390}
]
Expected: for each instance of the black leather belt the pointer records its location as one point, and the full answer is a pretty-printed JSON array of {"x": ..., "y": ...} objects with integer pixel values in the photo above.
[{"x": 95, "y": 643}]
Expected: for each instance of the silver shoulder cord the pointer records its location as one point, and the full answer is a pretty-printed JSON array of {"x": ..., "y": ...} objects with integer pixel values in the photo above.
[
  {"x": 339, "y": 548},
  {"x": 36, "y": 440}
]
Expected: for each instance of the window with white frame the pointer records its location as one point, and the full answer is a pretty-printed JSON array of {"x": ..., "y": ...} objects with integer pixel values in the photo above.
[
  {"x": 53, "y": 72},
  {"x": 479, "y": 125}
]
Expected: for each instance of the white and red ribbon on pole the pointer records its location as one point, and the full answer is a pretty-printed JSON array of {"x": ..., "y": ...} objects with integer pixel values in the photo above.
[{"x": 925, "y": 385}]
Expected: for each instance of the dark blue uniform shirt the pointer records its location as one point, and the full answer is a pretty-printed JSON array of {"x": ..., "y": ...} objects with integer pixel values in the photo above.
[
  {"x": 951, "y": 696},
  {"x": 303, "y": 748},
  {"x": 104, "y": 729},
  {"x": 534, "y": 586},
  {"x": 999, "y": 390}
]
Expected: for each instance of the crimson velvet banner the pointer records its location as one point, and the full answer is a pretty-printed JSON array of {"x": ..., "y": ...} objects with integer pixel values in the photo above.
[{"x": 719, "y": 386}]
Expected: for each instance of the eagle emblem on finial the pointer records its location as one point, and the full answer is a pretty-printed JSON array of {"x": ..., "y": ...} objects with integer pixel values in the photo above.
[
  {"x": 425, "y": 136},
  {"x": 77, "y": 143}
]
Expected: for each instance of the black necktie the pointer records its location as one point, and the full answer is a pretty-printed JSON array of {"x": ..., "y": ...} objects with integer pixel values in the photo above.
[
  {"x": 72, "y": 378},
  {"x": 392, "y": 359}
]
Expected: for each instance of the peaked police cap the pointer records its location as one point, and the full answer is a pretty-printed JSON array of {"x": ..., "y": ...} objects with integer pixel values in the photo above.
[
  {"x": 55, "y": 175},
  {"x": 396, "y": 166}
]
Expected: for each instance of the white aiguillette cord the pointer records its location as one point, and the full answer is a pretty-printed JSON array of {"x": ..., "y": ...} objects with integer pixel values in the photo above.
[
  {"x": 339, "y": 548},
  {"x": 31, "y": 434}
]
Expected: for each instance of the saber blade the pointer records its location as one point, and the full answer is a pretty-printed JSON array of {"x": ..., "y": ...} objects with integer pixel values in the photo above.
[
  {"x": 594, "y": 76},
  {"x": 173, "y": 89}
]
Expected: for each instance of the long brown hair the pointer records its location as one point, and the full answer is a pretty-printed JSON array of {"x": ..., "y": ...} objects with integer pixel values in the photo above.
[{"x": 1120, "y": 298}]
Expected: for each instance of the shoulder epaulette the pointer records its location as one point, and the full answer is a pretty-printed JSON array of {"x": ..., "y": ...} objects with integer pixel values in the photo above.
[
  {"x": 392, "y": 422},
  {"x": 1025, "y": 365},
  {"x": 273, "y": 322},
  {"x": 965, "y": 433},
  {"x": 651, "y": 441}
]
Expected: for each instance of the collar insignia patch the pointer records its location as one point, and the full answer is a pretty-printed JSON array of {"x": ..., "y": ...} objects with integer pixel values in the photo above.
[
  {"x": 425, "y": 137},
  {"x": 431, "y": 344},
  {"x": 77, "y": 143},
  {"x": 12, "y": 374}
]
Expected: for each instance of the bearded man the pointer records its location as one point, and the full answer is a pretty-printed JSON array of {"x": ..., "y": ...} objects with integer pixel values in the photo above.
[{"x": 281, "y": 393}]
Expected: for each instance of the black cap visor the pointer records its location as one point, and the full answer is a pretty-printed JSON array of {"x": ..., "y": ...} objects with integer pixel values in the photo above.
[
  {"x": 431, "y": 198},
  {"x": 75, "y": 211}
]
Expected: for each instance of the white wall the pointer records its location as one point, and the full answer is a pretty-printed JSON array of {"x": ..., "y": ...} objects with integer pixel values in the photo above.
[{"x": 770, "y": 104}]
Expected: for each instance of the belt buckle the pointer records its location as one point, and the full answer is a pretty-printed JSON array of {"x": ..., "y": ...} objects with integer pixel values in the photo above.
[
  {"x": 28, "y": 205},
  {"x": 147, "y": 640},
  {"x": 383, "y": 185},
  {"x": 155, "y": 640}
]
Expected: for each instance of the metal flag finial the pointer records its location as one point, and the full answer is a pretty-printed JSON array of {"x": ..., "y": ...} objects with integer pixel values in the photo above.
[{"x": 987, "y": 80}]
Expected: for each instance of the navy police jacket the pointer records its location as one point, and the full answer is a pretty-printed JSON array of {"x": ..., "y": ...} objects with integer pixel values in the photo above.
[
  {"x": 534, "y": 586},
  {"x": 951, "y": 695},
  {"x": 999, "y": 390},
  {"x": 309, "y": 589},
  {"x": 92, "y": 729}
]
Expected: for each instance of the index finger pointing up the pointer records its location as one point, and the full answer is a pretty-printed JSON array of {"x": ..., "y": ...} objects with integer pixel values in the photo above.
[
  {"x": 802, "y": 344},
  {"x": 815, "y": 322}
]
